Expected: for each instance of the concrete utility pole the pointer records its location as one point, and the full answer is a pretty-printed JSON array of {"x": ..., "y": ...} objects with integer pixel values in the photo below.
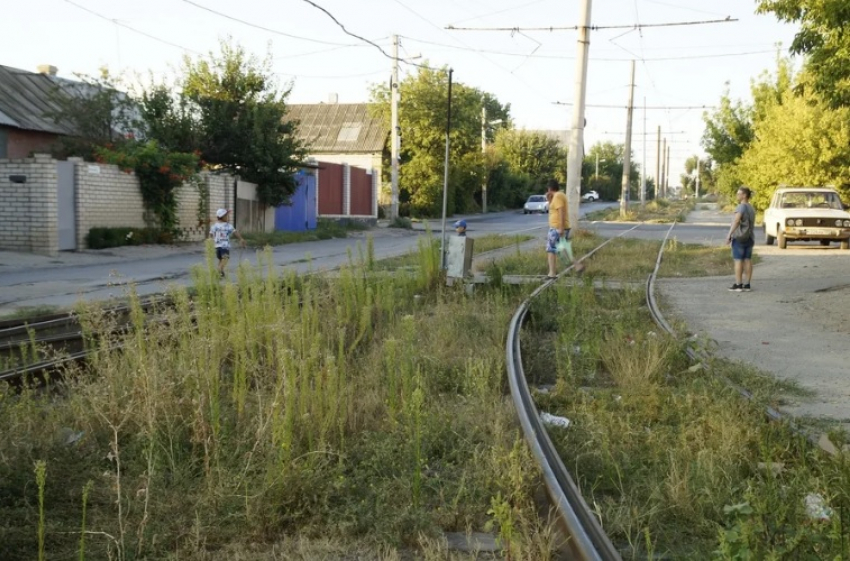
[
  {"x": 483, "y": 153},
  {"x": 697, "y": 188},
  {"x": 658, "y": 162},
  {"x": 667, "y": 175},
  {"x": 576, "y": 153},
  {"x": 394, "y": 148},
  {"x": 663, "y": 168},
  {"x": 443, "y": 247},
  {"x": 627, "y": 152},
  {"x": 643, "y": 164}
]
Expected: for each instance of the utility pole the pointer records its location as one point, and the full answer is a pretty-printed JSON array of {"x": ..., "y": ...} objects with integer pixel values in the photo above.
[
  {"x": 483, "y": 154},
  {"x": 627, "y": 152},
  {"x": 643, "y": 164},
  {"x": 443, "y": 248},
  {"x": 394, "y": 132},
  {"x": 667, "y": 176},
  {"x": 576, "y": 153},
  {"x": 663, "y": 168},
  {"x": 597, "y": 165},
  {"x": 658, "y": 162},
  {"x": 697, "y": 188}
]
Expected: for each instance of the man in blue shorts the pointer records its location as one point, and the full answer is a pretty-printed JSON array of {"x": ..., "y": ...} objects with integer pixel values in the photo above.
[{"x": 741, "y": 238}]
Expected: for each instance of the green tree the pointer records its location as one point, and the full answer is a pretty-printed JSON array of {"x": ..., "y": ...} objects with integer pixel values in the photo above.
[
  {"x": 728, "y": 130},
  {"x": 532, "y": 153},
  {"x": 800, "y": 141},
  {"x": 95, "y": 112},
  {"x": 422, "y": 120},
  {"x": 609, "y": 182},
  {"x": 706, "y": 175},
  {"x": 240, "y": 123},
  {"x": 823, "y": 38}
]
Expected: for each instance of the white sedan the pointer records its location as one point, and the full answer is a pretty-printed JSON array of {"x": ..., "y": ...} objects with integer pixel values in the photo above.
[
  {"x": 536, "y": 203},
  {"x": 806, "y": 214},
  {"x": 590, "y": 197}
]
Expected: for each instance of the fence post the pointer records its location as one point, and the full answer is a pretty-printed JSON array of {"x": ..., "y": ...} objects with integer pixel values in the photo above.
[{"x": 346, "y": 189}]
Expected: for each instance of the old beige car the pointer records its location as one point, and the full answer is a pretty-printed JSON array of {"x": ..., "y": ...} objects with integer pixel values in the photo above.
[{"x": 806, "y": 214}]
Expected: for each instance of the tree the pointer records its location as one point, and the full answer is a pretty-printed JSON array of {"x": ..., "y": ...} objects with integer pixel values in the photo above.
[
  {"x": 231, "y": 111},
  {"x": 95, "y": 111},
  {"x": 609, "y": 182},
  {"x": 422, "y": 120},
  {"x": 728, "y": 130},
  {"x": 531, "y": 154},
  {"x": 706, "y": 175},
  {"x": 823, "y": 38},
  {"x": 801, "y": 141}
]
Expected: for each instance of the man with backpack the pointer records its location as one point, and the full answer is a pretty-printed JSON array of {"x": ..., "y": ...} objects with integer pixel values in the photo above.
[{"x": 741, "y": 238}]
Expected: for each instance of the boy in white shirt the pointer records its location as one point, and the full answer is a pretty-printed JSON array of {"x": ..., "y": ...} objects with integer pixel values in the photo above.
[{"x": 220, "y": 232}]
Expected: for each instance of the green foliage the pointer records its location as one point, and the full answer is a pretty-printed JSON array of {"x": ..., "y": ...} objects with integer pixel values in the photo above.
[
  {"x": 95, "y": 111},
  {"x": 532, "y": 154},
  {"x": 823, "y": 39},
  {"x": 401, "y": 222},
  {"x": 103, "y": 238},
  {"x": 422, "y": 120},
  {"x": 609, "y": 182},
  {"x": 728, "y": 131},
  {"x": 800, "y": 141},
  {"x": 159, "y": 171}
]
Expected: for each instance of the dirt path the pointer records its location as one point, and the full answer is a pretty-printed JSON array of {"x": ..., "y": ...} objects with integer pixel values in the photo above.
[{"x": 794, "y": 324}]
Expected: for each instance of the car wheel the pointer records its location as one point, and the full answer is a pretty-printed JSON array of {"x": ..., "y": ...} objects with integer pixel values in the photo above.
[
  {"x": 525, "y": 212},
  {"x": 768, "y": 239},
  {"x": 845, "y": 244},
  {"x": 824, "y": 242},
  {"x": 780, "y": 239}
]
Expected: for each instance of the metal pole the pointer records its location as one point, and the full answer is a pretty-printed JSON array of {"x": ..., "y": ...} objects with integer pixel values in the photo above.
[
  {"x": 697, "y": 188},
  {"x": 643, "y": 164},
  {"x": 667, "y": 175},
  {"x": 446, "y": 174},
  {"x": 627, "y": 152},
  {"x": 576, "y": 153},
  {"x": 483, "y": 154},
  {"x": 597, "y": 165},
  {"x": 663, "y": 167},
  {"x": 394, "y": 148},
  {"x": 658, "y": 162}
]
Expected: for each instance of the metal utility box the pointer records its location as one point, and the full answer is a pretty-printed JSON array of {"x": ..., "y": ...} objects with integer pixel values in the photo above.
[{"x": 459, "y": 257}]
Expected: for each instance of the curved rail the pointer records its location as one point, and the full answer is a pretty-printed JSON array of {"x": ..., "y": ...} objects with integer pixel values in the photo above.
[
  {"x": 699, "y": 356},
  {"x": 589, "y": 542}
]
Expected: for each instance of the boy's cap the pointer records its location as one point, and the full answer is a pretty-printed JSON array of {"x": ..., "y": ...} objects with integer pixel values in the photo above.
[
  {"x": 220, "y": 213},
  {"x": 460, "y": 224}
]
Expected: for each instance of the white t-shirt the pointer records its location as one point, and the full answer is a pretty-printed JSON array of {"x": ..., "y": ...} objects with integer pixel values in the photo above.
[{"x": 221, "y": 232}]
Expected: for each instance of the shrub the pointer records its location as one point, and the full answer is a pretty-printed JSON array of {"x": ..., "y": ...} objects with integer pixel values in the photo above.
[{"x": 103, "y": 238}]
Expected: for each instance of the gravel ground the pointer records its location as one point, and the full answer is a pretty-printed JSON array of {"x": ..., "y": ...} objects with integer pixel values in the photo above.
[{"x": 793, "y": 324}]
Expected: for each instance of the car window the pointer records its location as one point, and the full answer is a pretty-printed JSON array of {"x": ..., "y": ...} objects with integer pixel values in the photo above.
[
  {"x": 793, "y": 200},
  {"x": 536, "y": 199}
]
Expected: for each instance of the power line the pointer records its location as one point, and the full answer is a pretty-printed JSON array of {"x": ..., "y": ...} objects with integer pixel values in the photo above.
[
  {"x": 501, "y": 11},
  {"x": 260, "y": 27},
  {"x": 661, "y": 107},
  {"x": 382, "y": 71},
  {"x": 601, "y": 59},
  {"x": 633, "y": 26},
  {"x": 347, "y": 32},
  {"x": 133, "y": 29}
]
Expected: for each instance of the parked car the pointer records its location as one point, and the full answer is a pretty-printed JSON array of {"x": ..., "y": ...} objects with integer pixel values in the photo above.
[
  {"x": 806, "y": 214},
  {"x": 536, "y": 203},
  {"x": 590, "y": 197}
]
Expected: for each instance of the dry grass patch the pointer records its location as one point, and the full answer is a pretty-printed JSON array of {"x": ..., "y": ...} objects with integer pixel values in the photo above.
[{"x": 657, "y": 211}]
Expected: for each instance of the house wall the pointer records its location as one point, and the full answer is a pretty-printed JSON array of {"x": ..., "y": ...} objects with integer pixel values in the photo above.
[
  {"x": 106, "y": 197},
  {"x": 29, "y": 209},
  {"x": 21, "y": 143}
]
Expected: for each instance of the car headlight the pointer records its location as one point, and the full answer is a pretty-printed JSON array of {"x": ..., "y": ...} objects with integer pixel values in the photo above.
[
  {"x": 799, "y": 222},
  {"x": 838, "y": 223},
  {"x": 789, "y": 222},
  {"x": 847, "y": 223}
]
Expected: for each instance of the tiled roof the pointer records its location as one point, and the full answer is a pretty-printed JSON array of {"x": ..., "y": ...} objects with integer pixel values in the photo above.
[
  {"x": 339, "y": 128},
  {"x": 25, "y": 100}
]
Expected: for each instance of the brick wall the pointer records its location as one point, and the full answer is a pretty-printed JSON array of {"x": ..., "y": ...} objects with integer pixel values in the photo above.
[
  {"x": 22, "y": 144},
  {"x": 106, "y": 197},
  {"x": 29, "y": 209}
]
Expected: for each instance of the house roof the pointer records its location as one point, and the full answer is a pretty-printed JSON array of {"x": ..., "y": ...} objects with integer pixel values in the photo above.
[
  {"x": 338, "y": 128},
  {"x": 26, "y": 99}
]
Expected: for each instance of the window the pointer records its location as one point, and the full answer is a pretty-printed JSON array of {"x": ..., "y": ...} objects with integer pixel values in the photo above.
[
  {"x": 349, "y": 132},
  {"x": 4, "y": 143}
]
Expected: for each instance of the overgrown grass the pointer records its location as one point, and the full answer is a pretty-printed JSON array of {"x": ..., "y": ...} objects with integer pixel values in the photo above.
[
  {"x": 325, "y": 230},
  {"x": 655, "y": 211},
  {"x": 675, "y": 462},
  {"x": 482, "y": 244},
  {"x": 28, "y": 312},
  {"x": 366, "y": 410}
]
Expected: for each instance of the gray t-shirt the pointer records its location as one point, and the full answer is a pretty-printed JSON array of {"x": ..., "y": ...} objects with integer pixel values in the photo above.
[{"x": 748, "y": 219}]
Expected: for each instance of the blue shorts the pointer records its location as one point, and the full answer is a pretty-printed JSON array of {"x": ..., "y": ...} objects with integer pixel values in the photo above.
[
  {"x": 742, "y": 250},
  {"x": 552, "y": 239},
  {"x": 222, "y": 253}
]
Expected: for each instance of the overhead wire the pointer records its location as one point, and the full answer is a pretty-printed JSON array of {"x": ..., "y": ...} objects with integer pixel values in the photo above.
[{"x": 133, "y": 29}]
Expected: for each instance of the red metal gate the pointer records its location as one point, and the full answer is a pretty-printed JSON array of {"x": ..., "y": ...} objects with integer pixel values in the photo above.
[
  {"x": 361, "y": 192},
  {"x": 330, "y": 188}
]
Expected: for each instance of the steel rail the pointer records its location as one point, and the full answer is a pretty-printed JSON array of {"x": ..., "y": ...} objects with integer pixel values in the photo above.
[
  {"x": 588, "y": 541},
  {"x": 701, "y": 357}
]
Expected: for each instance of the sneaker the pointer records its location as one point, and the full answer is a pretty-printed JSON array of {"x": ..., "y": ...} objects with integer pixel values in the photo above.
[
  {"x": 746, "y": 287},
  {"x": 736, "y": 288},
  {"x": 221, "y": 274}
]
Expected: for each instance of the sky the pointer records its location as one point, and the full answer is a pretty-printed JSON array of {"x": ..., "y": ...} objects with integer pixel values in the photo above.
[{"x": 680, "y": 69}]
